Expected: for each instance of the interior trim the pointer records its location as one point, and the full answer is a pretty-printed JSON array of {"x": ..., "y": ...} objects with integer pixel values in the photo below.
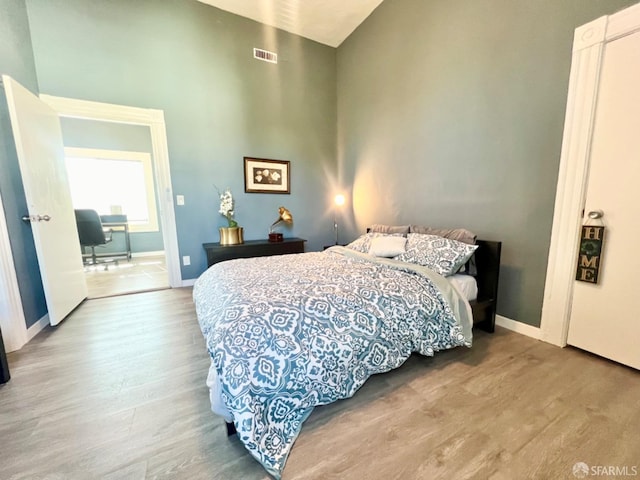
[
  {"x": 12, "y": 320},
  {"x": 518, "y": 327},
  {"x": 588, "y": 47},
  {"x": 154, "y": 119},
  {"x": 37, "y": 327}
]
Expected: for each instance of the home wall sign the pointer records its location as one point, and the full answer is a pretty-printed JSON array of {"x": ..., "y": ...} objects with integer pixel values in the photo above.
[{"x": 590, "y": 253}]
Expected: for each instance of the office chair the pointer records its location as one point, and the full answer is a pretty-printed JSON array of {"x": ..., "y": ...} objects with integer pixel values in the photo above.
[{"x": 92, "y": 235}]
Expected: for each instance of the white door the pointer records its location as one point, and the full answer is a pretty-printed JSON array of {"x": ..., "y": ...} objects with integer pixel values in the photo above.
[
  {"x": 36, "y": 129},
  {"x": 604, "y": 318}
]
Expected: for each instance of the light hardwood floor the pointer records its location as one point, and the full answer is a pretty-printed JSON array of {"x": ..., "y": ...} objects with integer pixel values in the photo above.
[
  {"x": 136, "y": 275},
  {"x": 117, "y": 391}
]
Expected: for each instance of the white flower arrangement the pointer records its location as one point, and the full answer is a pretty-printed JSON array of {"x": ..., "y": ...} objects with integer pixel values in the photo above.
[
  {"x": 226, "y": 207},
  {"x": 267, "y": 176}
]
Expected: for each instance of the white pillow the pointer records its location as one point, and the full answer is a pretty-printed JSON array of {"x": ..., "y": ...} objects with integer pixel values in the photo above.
[
  {"x": 442, "y": 255},
  {"x": 387, "y": 246},
  {"x": 363, "y": 242}
]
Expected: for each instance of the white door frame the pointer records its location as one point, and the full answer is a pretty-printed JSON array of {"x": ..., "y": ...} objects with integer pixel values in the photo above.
[
  {"x": 12, "y": 321},
  {"x": 588, "y": 47},
  {"x": 154, "y": 119}
]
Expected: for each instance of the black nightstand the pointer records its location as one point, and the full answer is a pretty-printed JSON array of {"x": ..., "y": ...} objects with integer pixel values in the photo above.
[{"x": 252, "y": 248}]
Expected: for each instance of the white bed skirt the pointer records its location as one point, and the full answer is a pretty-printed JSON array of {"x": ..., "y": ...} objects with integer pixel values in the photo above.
[{"x": 215, "y": 395}]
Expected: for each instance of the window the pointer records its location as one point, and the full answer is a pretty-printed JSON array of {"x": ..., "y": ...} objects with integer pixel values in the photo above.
[{"x": 113, "y": 182}]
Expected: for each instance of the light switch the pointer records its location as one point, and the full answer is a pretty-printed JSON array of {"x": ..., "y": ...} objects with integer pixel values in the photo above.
[
  {"x": 180, "y": 199},
  {"x": 186, "y": 260}
]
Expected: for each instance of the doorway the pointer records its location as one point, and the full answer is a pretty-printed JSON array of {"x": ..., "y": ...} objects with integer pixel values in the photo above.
[
  {"x": 73, "y": 110},
  {"x": 14, "y": 327},
  {"x": 110, "y": 169}
]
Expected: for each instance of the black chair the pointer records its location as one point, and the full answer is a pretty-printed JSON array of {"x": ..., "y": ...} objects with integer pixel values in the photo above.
[{"x": 92, "y": 235}]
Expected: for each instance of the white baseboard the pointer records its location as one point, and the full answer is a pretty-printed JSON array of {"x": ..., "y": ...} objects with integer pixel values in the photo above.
[
  {"x": 37, "y": 327},
  {"x": 519, "y": 327},
  {"x": 147, "y": 254},
  {"x": 189, "y": 282}
]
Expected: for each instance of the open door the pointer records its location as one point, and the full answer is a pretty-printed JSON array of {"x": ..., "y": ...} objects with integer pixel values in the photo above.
[
  {"x": 38, "y": 138},
  {"x": 603, "y": 317}
]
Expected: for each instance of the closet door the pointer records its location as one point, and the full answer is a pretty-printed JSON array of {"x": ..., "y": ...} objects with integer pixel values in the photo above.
[{"x": 604, "y": 316}]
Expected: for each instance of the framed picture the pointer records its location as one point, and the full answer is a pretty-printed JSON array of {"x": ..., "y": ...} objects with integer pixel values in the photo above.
[{"x": 262, "y": 175}]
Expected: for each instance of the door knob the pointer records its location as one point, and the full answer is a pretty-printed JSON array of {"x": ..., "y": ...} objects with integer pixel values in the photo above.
[
  {"x": 36, "y": 218},
  {"x": 595, "y": 214}
]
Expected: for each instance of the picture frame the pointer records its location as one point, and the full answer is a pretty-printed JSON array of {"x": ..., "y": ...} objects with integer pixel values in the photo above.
[{"x": 263, "y": 175}]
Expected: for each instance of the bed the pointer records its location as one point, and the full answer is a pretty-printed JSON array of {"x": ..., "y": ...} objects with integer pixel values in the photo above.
[{"x": 290, "y": 332}]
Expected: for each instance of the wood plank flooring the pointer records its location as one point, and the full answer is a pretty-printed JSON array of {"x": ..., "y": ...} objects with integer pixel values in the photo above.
[
  {"x": 136, "y": 275},
  {"x": 117, "y": 391}
]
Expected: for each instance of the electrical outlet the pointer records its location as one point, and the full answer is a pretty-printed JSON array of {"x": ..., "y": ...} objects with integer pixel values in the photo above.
[
  {"x": 186, "y": 260},
  {"x": 180, "y": 199}
]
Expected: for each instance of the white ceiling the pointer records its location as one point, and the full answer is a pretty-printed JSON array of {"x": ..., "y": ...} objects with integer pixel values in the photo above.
[{"x": 325, "y": 21}]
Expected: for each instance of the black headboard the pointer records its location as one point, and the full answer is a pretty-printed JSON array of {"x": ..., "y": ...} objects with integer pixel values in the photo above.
[
  {"x": 488, "y": 264},
  {"x": 487, "y": 260}
]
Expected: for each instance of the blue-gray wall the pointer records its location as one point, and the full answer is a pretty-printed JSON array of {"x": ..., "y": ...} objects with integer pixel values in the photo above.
[
  {"x": 16, "y": 60},
  {"x": 451, "y": 112},
  {"x": 195, "y": 63},
  {"x": 446, "y": 112},
  {"x": 115, "y": 136}
]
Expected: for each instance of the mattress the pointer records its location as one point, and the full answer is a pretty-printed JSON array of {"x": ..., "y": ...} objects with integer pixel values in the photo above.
[{"x": 466, "y": 284}]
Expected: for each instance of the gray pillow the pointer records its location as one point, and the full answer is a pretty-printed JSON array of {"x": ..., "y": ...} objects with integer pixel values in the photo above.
[
  {"x": 377, "y": 228},
  {"x": 459, "y": 234}
]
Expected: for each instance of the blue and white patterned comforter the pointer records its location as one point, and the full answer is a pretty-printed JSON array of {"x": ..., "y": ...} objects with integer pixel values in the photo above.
[{"x": 287, "y": 333}]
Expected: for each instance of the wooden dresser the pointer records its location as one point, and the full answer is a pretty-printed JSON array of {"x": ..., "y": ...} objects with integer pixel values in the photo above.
[{"x": 252, "y": 248}]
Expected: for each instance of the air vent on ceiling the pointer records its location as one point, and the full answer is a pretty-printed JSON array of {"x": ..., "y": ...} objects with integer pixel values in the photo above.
[{"x": 265, "y": 55}]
